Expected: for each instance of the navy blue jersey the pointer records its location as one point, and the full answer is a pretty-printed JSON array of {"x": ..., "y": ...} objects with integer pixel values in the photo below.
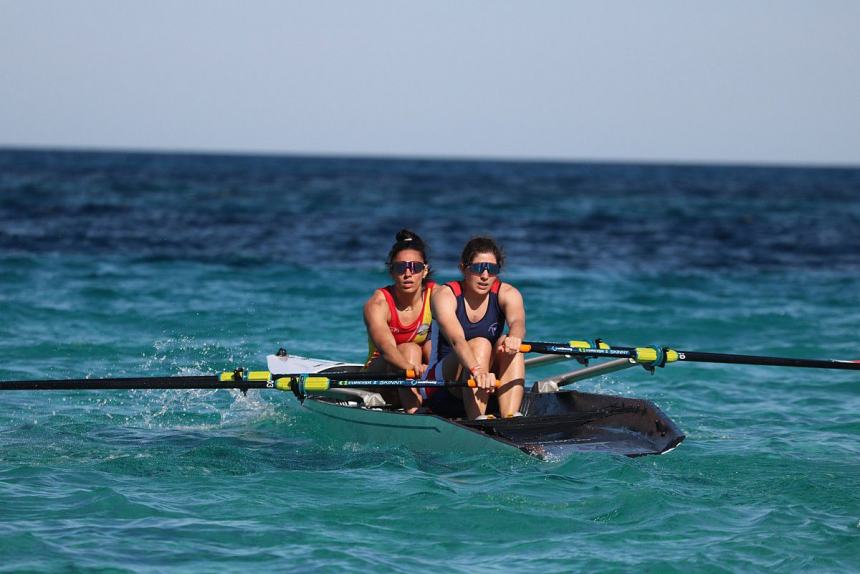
[{"x": 491, "y": 326}]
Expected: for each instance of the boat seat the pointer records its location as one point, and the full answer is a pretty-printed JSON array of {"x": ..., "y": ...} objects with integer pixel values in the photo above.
[
  {"x": 545, "y": 386},
  {"x": 367, "y": 399}
]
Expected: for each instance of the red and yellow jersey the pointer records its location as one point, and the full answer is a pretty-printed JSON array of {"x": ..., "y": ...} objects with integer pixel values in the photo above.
[{"x": 417, "y": 332}]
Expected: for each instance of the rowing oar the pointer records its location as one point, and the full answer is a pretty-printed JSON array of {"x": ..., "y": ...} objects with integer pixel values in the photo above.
[
  {"x": 660, "y": 356},
  {"x": 239, "y": 379}
]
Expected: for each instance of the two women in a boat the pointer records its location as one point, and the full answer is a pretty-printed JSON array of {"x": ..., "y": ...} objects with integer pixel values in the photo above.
[{"x": 467, "y": 338}]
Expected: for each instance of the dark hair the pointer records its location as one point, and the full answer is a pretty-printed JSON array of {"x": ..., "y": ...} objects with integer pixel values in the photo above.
[
  {"x": 482, "y": 244},
  {"x": 407, "y": 239}
]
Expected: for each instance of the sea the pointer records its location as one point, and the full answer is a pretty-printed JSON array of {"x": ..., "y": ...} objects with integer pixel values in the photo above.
[{"x": 160, "y": 264}]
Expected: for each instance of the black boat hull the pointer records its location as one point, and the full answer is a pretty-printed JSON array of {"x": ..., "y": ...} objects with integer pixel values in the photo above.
[{"x": 556, "y": 424}]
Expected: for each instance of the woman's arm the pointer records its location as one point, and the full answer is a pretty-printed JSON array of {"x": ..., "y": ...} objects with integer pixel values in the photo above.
[
  {"x": 444, "y": 305},
  {"x": 376, "y": 318},
  {"x": 511, "y": 302}
]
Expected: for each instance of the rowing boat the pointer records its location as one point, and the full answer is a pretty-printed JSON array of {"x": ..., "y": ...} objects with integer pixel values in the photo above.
[{"x": 555, "y": 423}]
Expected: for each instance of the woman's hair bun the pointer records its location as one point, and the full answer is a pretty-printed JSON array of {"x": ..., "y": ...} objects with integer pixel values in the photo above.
[{"x": 405, "y": 235}]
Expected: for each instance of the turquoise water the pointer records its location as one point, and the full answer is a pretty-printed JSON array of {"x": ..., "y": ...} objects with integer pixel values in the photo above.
[{"x": 127, "y": 265}]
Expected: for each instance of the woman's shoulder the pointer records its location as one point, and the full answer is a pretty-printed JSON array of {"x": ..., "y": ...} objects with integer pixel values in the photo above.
[
  {"x": 379, "y": 298},
  {"x": 446, "y": 287},
  {"x": 507, "y": 290},
  {"x": 442, "y": 292}
]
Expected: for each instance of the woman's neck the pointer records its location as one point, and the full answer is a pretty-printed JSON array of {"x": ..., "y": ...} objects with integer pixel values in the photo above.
[
  {"x": 405, "y": 301},
  {"x": 473, "y": 299}
]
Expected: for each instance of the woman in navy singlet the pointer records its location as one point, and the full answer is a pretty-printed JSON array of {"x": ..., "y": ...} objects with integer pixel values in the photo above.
[{"x": 468, "y": 339}]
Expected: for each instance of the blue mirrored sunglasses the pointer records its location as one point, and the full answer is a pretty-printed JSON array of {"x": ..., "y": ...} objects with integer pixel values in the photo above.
[
  {"x": 478, "y": 268},
  {"x": 400, "y": 267}
]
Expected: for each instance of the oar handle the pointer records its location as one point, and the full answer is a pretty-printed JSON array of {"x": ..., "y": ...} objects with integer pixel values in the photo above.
[{"x": 471, "y": 383}]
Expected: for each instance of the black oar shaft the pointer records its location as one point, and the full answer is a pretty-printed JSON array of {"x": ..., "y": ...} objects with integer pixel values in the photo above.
[
  {"x": 564, "y": 349},
  {"x": 353, "y": 375},
  {"x": 665, "y": 355},
  {"x": 237, "y": 380},
  {"x": 191, "y": 382},
  {"x": 768, "y": 361}
]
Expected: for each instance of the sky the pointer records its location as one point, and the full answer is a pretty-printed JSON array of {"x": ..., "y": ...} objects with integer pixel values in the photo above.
[{"x": 774, "y": 82}]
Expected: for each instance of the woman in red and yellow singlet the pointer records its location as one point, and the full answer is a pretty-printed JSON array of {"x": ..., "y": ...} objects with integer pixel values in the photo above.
[{"x": 398, "y": 316}]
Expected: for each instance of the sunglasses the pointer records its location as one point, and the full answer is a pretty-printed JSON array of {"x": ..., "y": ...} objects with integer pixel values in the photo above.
[
  {"x": 400, "y": 267},
  {"x": 479, "y": 268}
]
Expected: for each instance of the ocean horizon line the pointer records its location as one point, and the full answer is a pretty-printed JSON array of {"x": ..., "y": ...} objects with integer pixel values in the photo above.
[{"x": 429, "y": 158}]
